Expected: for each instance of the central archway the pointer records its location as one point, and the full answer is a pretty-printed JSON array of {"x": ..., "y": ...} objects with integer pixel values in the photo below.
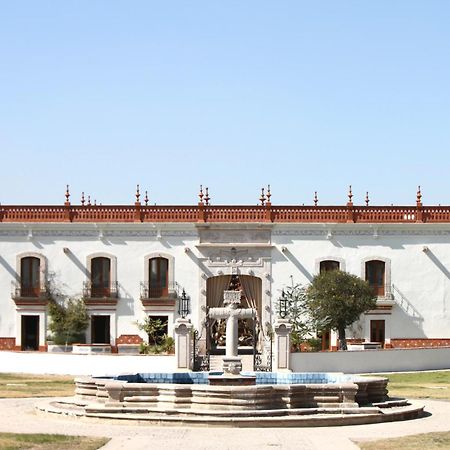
[{"x": 251, "y": 297}]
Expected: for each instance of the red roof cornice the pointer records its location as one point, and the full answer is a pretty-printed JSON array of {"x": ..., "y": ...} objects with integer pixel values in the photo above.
[{"x": 224, "y": 214}]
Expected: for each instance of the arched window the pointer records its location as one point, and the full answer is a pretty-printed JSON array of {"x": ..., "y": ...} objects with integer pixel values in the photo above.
[
  {"x": 329, "y": 265},
  {"x": 158, "y": 277},
  {"x": 100, "y": 277},
  {"x": 30, "y": 278},
  {"x": 375, "y": 275}
]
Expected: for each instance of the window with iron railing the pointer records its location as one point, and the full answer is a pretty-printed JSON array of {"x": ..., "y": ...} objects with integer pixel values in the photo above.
[
  {"x": 158, "y": 279},
  {"x": 100, "y": 285},
  {"x": 375, "y": 275},
  {"x": 30, "y": 278}
]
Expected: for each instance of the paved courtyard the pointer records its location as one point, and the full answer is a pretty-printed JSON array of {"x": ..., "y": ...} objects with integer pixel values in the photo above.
[{"x": 18, "y": 416}]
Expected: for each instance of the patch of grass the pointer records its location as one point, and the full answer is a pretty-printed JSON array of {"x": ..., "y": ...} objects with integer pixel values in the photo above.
[
  {"x": 429, "y": 441},
  {"x": 23, "y": 385},
  {"x": 12, "y": 441},
  {"x": 434, "y": 385}
]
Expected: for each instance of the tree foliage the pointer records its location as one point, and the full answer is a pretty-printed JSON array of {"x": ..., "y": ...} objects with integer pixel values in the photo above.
[
  {"x": 297, "y": 313},
  {"x": 153, "y": 327},
  {"x": 68, "y": 320},
  {"x": 336, "y": 299}
]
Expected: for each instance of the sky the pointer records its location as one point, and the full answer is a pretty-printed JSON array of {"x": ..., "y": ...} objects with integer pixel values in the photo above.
[{"x": 302, "y": 95}]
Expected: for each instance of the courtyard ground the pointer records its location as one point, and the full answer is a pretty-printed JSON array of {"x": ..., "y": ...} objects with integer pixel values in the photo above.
[{"x": 17, "y": 415}]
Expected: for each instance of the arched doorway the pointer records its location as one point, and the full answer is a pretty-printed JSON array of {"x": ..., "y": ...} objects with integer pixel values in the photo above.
[{"x": 251, "y": 297}]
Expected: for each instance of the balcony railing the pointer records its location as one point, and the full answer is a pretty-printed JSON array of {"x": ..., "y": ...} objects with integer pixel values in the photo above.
[
  {"x": 149, "y": 291},
  {"x": 383, "y": 293},
  {"x": 21, "y": 292},
  {"x": 92, "y": 291}
]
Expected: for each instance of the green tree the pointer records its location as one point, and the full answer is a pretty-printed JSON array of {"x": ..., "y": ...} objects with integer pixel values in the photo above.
[
  {"x": 337, "y": 299},
  {"x": 68, "y": 320},
  {"x": 153, "y": 327},
  {"x": 297, "y": 313}
]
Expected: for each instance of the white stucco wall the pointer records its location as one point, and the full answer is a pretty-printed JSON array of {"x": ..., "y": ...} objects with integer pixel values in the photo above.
[
  {"x": 69, "y": 364},
  {"x": 292, "y": 250},
  {"x": 393, "y": 360},
  {"x": 423, "y": 277}
]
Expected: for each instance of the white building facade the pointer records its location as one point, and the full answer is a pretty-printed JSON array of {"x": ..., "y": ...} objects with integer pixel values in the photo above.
[{"x": 130, "y": 262}]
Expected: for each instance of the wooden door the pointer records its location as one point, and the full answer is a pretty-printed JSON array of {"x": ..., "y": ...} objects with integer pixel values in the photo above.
[{"x": 377, "y": 331}]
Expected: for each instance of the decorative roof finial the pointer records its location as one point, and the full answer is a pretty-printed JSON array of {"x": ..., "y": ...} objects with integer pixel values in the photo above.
[
  {"x": 95, "y": 202},
  {"x": 138, "y": 194},
  {"x": 262, "y": 199},
  {"x": 200, "y": 194},
  {"x": 67, "y": 193},
  {"x": 367, "y": 198},
  {"x": 419, "y": 195},
  {"x": 89, "y": 200},
  {"x": 350, "y": 194},
  {"x": 146, "y": 198},
  {"x": 315, "y": 198},
  {"x": 82, "y": 199},
  {"x": 207, "y": 197},
  {"x": 268, "y": 193}
]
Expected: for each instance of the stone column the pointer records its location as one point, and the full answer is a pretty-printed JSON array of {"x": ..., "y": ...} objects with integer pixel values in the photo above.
[
  {"x": 183, "y": 344},
  {"x": 282, "y": 330}
]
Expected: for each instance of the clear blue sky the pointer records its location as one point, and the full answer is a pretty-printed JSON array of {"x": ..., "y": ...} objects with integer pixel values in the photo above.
[{"x": 304, "y": 95}]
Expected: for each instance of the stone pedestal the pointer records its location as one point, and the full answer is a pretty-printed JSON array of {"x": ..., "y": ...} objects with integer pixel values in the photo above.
[
  {"x": 232, "y": 365},
  {"x": 282, "y": 330},
  {"x": 183, "y": 344}
]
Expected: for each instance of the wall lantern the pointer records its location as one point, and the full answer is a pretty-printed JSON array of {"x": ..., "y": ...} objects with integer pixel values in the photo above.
[
  {"x": 283, "y": 304},
  {"x": 183, "y": 305}
]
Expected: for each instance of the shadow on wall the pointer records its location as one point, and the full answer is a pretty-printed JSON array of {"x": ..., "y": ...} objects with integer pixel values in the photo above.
[
  {"x": 126, "y": 304},
  {"x": 290, "y": 257},
  {"x": 405, "y": 305},
  {"x": 77, "y": 262},
  {"x": 436, "y": 262},
  {"x": 9, "y": 268}
]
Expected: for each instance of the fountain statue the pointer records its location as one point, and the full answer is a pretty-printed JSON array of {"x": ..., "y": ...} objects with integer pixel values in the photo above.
[{"x": 232, "y": 364}]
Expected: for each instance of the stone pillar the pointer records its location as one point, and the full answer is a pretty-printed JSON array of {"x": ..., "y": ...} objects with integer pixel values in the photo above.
[
  {"x": 183, "y": 344},
  {"x": 282, "y": 330}
]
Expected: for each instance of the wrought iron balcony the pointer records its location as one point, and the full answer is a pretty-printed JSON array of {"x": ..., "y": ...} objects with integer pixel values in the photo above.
[
  {"x": 150, "y": 291},
  {"x": 95, "y": 291},
  {"x": 384, "y": 295},
  {"x": 27, "y": 294},
  {"x": 162, "y": 297}
]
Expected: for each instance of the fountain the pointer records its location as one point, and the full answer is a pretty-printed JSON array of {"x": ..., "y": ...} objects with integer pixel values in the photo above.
[{"x": 235, "y": 398}]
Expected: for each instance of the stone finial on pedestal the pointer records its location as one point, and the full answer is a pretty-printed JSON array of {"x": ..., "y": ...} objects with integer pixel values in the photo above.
[
  {"x": 183, "y": 344},
  {"x": 282, "y": 331}
]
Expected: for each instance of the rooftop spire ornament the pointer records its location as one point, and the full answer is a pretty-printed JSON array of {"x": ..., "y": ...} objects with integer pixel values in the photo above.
[
  {"x": 367, "y": 198},
  {"x": 268, "y": 193},
  {"x": 350, "y": 194},
  {"x": 207, "y": 197},
  {"x": 316, "y": 200},
  {"x": 89, "y": 200},
  {"x": 419, "y": 195},
  {"x": 200, "y": 194},
  {"x": 146, "y": 198},
  {"x": 82, "y": 199},
  {"x": 138, "y": 194},
  {"x": 262, "y": 199},
  {"x": 67, "y": 193}
]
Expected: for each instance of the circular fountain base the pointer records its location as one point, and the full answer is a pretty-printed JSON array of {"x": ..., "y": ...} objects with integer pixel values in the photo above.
[{"x": 277, "y": 400}]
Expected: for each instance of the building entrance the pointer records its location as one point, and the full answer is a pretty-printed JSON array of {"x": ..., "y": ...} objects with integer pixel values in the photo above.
[
  {"x": 30, "y": 333},
  {"x": 100, "y": 330},
  {"x": 377, "y": 331}
]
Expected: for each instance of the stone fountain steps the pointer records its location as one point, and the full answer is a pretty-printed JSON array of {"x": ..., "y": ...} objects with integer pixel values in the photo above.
[{"x": 301, "y": 417}]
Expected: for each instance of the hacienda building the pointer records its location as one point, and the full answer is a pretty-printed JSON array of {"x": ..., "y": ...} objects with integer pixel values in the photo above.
[{"x": 133, "y": 261}]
